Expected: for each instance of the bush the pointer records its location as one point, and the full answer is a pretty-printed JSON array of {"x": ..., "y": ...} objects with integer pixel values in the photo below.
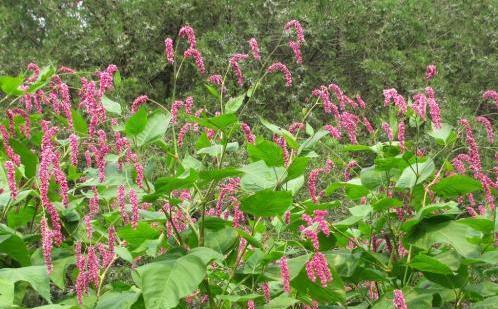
[{"x": 143, "y": 206}]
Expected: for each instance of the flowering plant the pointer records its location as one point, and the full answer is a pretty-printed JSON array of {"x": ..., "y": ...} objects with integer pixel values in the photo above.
[{"x": 180, "y": 203}]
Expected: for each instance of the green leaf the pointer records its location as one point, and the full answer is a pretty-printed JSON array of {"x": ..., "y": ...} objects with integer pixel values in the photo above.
[
  {"x": 79, "y": 123},
  {"x": 36, "y": 276},
  {"x": 28, "y": 158},
  {"x": 281, "y": 301},
  {"x": 297, "y": 167},
  {"x": 372, "y": 178},
  {"x": 137, "y": 122},
  {"x": 165, "y": 282},
  {"x": 267, "y": 203},
  {"x": 221, "y": 122},
  {"x": 156, "y": 127},
  {"x": 441, "y": 134},
  {"x": 311, "y": 141},
  {"x": 6, "y": 293},
  {"x": 111, "y": 106},
  {"x": 10, "y": 85},
  {"x": 387, "y": 203},
  {"x": 415, "y": 174},
  {"x": 168, "y": 184},
  {"x": 219, "y": 174},
  {"x": 233, "y": 104},
  {"x": 332, "y": 293},
  {"x": 59, "y": 270},
  {"x": 452, "y": 233},
  {"x": 488, "y": 303},
  {"x": 217, "y": 149},
  {"x": 354, "y": 189},
  {"x": 13, "y": 246},
  {"x": 212, "y": 91},
  {"x": 289, "y": 138},
  {"x": 219, "y": 234},
  {"x": 456, "y": 185},
  {"x": 426, "y": 263},
  {"x": 257, "y": 176},
  {"x": 118, "y": 300},
  {"x": 135, "y": 237},
  {"x": 267, "y": 151}
]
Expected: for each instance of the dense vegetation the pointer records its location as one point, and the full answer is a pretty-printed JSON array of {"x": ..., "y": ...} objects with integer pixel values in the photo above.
[{"x": 201, "y": 191}]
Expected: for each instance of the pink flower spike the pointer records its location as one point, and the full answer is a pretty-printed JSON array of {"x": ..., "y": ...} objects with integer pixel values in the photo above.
[
  {"x": 387, "y": 129},
  {"x": 138, "y": 102},
  {"x": 489, "y": 128},
  {"x": 280, "y": 67},
  {"x": 296, "y": 49},
  {"x": 168, "y": 50},
  {"x": 266, "y": 291},
  {"x": 430, "y": 72},
  {"x": 36, "y": 72},
  {"x": 333, "y": 131},
  {"x": 234, "y": 63},
  {"x": 199, "y": 62},
  {"x": 73, "y": 145},
  {"x": 215, "y": 79},
  {"x": 284, "y": 274},
  {"x": 254, "y": 49},
  {"x": 399, "y": 300},
  {"x": 491, "y": 95},
  {"x": 296, "y": 25},
  {"x": 134, "y": 208},
  {"x": 250, "y": 138},
  {"x": 47, "y": 244},
  {"x": 11, "y": 178},
  {"x": 401, "y": 135},
  {"x": 188, "y": 33}
]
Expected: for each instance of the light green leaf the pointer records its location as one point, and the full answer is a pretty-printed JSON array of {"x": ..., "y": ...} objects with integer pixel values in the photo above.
[
  {"x": 233, "y": 104},
  {"x": 156, "y": 127},
  {"x": 36, "y": 276},
  {"x": 111, "y": 106},
  {"x": 118, "y": 300},
  {"x": 257, "y": 176},
  {"x": 137, "y": 122},
  {"x": 267, "y": 203},
  {"x": 415, "y": 174},
  {"x": 456, "y": 185}
]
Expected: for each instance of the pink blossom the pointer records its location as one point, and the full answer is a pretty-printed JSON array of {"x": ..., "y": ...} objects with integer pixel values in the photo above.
[
  {"x": 188, "y": 33},
  {"x": 361, "y": 103},
  {"x": 73, "y": 145},
  {"x": 430, "y": 72},
  {"x": 401, "y": 135},
  {"x": 46, "y": 235},
  {"x": 488, "y": 126},
  {"x": 399, "y": 101},
  {"x": 250, "y": 138},
  {"x": 66, "y": 70},
  {"x": 399, "y": 300},
  {"x": 36, "y": 72},
  {"x": 287, "y": 217},
  {"x": 333, "y": 131},
  {"x": 14, "y": 157},
  {"x": 266, "y": 291},
  {"x": 419, "y": 105},
  {"x": 294, "y": 24},
  {"x": 295, "y": 127},
  {"x": 216, "y": 79},
  {"x": 168, "y": 50},
  {"x": 254, "y": 49},
  {"x": 433, "y": 107},
  {"x": 338, "y": 94},
  {"x": 93, "y": 204},
  {"x": 189, "y": 103},
  {"x": 387, "y": 129},
  {"x": 88, "y": 226},
  {"x": 368, "y": 125},
  {"x": 349, "y": 167},
  {"x": 284, "y": 274},
  {"x": 93, "y": 266},
  {"x": 121, "y": 198},
  {"x": 250, "y": 304},
  {"x": 181, "y": 134},
  {"x": 475, "y": 158},
  {"x": 11, "y": 178},
  {"x": 199, "y": 62},
  {"x": 134, "y": 208},
  {"x": 318, "y": 267},
  {"x": 175, "y": 107},
  {"x": 348, "y": 123},
  {"x": 138, "y": 102},
  {"x": 280, "y": 140},
  {"x": 280, "y": 67},
  {"x": 26, "y": 127},
  {"x": 323, "y": 94},
  {"x": 313, "y": 179},
  {"x": 491, "y": 95},
  {"x": 234, "y": 63},
  {"x": 296, "y": 49}
]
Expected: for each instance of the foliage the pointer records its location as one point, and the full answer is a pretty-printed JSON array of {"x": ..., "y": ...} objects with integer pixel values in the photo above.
[{"x": 149, "y": 205}]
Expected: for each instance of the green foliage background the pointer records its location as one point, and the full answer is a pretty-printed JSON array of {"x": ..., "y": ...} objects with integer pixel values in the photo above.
[{"x": 363, "y": 45}]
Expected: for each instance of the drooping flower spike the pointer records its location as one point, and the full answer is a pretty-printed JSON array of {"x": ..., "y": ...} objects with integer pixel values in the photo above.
[
  {"x": 168, "y": 50},
  {"x": 188, "y": 33},
  {"x": 430, "y": 72},
  {"x": 234, "y": 63},
  {"x": 255, "y": 49},
  {"x": 199, "y": 62},
  {"x": 280, "y": 67}
]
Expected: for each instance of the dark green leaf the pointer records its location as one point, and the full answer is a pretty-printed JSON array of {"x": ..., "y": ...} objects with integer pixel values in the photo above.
[
  {"x": 456, "y": 185},
  {"x": 137, "y": 122},
  {"x": 267, "y": 203}
]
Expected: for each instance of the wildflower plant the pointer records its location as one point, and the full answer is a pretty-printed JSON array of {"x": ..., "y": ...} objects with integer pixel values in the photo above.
[{"x": 192, "y": 203}]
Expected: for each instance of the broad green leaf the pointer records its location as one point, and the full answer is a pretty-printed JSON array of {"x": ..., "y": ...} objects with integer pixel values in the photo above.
[
  {"x": 333, "y": 292},
  {"x": 426, "y": 212},
  {"x": 311, "y": 141},
  {"x": 212, "y": 91},
  {"x": 233, "y": 104},
  {"x": 415, "y": 299},
  {"x": 6, "y": 293},
  {"x": 156, "y": 127},
  {"x": 357, "y": 147},
  {"x": 372, "y": 178},
  {"x": 425, "y": 263},
  {"x": 136, "y": 123},
  {"x": 79, "y": 123},
  {"x": 165, "y": 282},
  {"x": 257, "y": 176},
  {"x": 59, "y": 270},
  {"x": 13, "y": 246},
  {"x": 221, "y": 122},
  {"x": 415, "y": 174},
  {"x": 10, "y": 85},
  {"x": 168, "y": 184},
  {"x": 267, "y": 151},
  {"x": 281, "y": 301},
  {"x": 354, "y": 189},
  {"x": 442, "y": 134},
  {"x": 488, "y": 303},
  {"x": 239, "y": 298},
  {"x": 36, "y": 276},
  {"x": 111, "y": 106},
  {"x": 456, "y": 185},
  {"x": 452, "y": 233},
  {"x": 289, "y": 138},
  {"x": 20, "y": 217},
  {"x": 219, "y": 174},
  {"x": 219, "y": 234},
  {"x": 267, "y": 203},
  {"x": 118, "y": 300},
  {"x": 217, "y": 149},
  {"x": 386, "y": 203},
  {"x": 297, "y": 167},
  {"x": 135, "y": 237},
  {"x": 28, "y": 158}
]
